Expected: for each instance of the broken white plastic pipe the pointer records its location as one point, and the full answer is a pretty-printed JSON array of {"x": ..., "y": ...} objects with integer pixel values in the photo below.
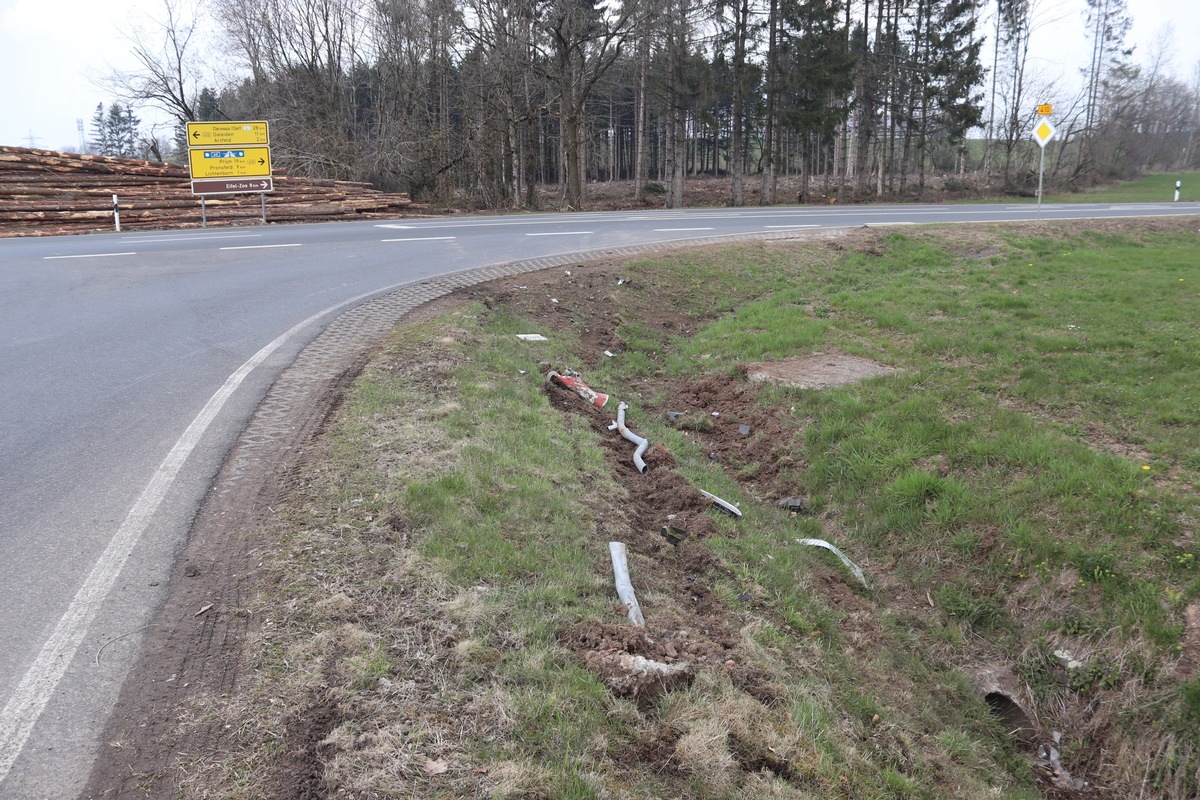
[
  {"x": 729, "y": 508},
  {"x": 858, "y": 573},
  {"x": 641, "y": 443},
  {"x": 624, "y": 587}
]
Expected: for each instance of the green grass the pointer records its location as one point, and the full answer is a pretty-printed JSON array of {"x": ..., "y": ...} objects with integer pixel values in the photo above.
[
  {"x": 1026, "y": 482},
  {"x": 1158, "y": 188}
]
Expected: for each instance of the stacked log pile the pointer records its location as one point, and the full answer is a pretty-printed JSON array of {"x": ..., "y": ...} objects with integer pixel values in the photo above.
[{"x": 44, "y": 192}]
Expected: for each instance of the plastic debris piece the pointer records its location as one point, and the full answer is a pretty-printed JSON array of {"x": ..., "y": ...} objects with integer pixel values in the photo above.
[
  {"x": 620, "y": 562},
  {"x": 641, "y": 443},
  {"x": 674, "y": 535},
  {"x": 858, "y": 573},
  {"x": 580, "y": 388},
  {"x": 674, "y": 415},
  {"x": 532, "y": 337},
  {"x": 636, "y": 677},
  {"x": 716, "y": 413},
  {"x": 744, "y": 430},
  {"x": 728, "y": 508},
  {"x": 609, "y": 353},
  {"x": 793, "y": 504}
]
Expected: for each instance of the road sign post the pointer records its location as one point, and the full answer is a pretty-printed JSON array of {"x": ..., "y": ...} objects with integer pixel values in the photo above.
[
  {"x": 1043, "y": 132},
  {"x": 229, "y": 158}
]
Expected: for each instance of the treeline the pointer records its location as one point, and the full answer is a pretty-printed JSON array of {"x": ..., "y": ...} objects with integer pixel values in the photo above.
[{"x": 495, "y": 99}]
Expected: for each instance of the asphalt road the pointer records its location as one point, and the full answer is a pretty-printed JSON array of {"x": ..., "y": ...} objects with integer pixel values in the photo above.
[{"x": 130, "y": 362}]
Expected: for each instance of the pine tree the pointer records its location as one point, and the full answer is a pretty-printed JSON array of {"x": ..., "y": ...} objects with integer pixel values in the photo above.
[
  {"x": 818, "y": 75},
  {"x": 115, "y": 132}
]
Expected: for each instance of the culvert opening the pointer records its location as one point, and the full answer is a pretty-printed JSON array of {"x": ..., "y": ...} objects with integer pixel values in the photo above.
[{"x": 1016, "y": 722}]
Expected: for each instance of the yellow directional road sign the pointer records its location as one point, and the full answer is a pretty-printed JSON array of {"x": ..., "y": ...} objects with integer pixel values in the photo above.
[
  {"x": 232, "y": 162},
  {"x": 227, "y": 134}
]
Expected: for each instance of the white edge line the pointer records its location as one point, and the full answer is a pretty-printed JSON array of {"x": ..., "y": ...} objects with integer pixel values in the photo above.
[
  {"x": 560, "y": 233},
  {"x": 680, "y": 230},
  {"x": 88, "y": 255},
  {"x": 258, "y": 246},
  {"x": 32, "y": 694},
  {"x": 199, "y": 237},
  {"x": 422, "y": 239}
]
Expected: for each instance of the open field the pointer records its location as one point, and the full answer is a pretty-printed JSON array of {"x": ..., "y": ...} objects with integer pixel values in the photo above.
[
  {"x": 999, "y": 425},
  {"x": 1148, "y": 189}
]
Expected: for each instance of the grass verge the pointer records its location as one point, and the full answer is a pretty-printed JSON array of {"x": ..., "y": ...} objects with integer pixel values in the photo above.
[
  {"x": 1159, "y": 188},
  {"x": 1021, "y": 492}
]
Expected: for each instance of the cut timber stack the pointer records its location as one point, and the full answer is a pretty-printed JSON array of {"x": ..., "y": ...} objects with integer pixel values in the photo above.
[{"x": 43, "y": 192}]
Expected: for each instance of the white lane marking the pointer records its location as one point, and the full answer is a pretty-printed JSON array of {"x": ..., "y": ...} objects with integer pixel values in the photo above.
[
  {"x": 259, "y": 246},
  {"x": 811, "y": 225},
  {"x": 681, "y": 230},
  {"x": 29, "y": 700},
  {"x": 393, "y": 225},
  {"x": 423, "y": 239},
  {"x": 193, "y": 238},
  {"x": 88, "y": 255},
  {"x": 561, "y": 233}
]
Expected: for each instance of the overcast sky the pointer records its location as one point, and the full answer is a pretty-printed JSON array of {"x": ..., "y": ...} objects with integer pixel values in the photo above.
[{"x": 54, "y": 54}]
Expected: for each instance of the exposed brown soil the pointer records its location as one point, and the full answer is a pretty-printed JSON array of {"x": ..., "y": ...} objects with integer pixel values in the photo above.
[
  {"x": 190, "y": 655},
  {"x": 721, "y": 414}
]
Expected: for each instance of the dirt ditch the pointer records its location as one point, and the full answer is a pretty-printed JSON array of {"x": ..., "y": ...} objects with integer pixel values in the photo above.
[{"x": 721, "y": 414}]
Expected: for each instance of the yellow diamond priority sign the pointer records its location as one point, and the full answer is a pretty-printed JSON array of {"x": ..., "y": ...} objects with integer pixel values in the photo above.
[{"x": 1043, "y": 132}]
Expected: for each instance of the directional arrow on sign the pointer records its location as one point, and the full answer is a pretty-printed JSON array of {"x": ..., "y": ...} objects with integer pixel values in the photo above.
[
  {"x": 249, "y": 162},
  {"x": 232, "y": 186},
  {"x": 227, "y": 134}
]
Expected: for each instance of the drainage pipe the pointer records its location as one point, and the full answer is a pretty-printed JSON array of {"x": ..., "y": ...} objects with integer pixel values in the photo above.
[
  {"x": 641, "y": 443},
  {"x": 620, "y": 564}
]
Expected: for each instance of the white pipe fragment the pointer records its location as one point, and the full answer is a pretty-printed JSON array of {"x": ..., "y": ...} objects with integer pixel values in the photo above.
[
  {"x": 624, "y": 587},
  {"x": 641, "y": 443},
  {"x": 858, "y": 573},
  {"x": 727, "y": 507}
]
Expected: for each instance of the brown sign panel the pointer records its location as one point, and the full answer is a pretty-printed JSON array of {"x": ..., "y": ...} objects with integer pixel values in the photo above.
[{"x": 233, "y": 185}]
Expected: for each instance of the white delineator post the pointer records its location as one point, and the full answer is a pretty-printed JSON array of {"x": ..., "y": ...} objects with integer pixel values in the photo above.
[{"x": 117, "y": 212}]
